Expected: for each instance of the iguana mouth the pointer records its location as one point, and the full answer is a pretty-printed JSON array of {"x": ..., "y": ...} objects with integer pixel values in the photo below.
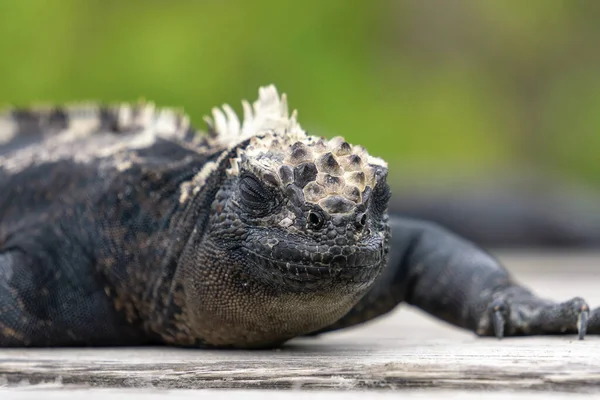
[{"x": 357, "y": 266}]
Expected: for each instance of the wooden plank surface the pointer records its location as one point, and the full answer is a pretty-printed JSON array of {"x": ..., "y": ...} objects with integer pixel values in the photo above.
[{"x": 405, "y": 351}]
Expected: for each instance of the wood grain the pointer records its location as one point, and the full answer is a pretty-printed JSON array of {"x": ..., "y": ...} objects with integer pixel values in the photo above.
[{"x": 405, "y": 350}]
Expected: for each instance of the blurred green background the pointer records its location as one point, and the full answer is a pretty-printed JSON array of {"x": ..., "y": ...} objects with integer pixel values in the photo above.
[{"x": 438, "y": 88}]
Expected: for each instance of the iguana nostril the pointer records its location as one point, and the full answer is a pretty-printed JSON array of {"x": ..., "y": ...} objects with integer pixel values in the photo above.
[{"x": 361, "y": 220}]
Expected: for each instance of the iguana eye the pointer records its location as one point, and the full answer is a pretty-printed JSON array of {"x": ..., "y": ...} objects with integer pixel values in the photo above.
[
  {"x": 255, "y": 195},
  {"x": 315, "y": 219}
]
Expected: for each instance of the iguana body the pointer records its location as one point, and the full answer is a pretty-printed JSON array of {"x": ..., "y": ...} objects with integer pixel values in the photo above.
[{"x": 123, "y": 226}]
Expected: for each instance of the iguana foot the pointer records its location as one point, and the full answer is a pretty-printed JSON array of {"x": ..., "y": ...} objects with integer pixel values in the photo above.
[{"x": 515, "y": 312}]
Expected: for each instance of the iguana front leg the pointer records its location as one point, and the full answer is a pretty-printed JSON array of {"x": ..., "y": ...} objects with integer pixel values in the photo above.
[
  {"x": 455, "y": 281},
  {"x": 450, "y": 278},
  {"x": 17, "y": 326}
]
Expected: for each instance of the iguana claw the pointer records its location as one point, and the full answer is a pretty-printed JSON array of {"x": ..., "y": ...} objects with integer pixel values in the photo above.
[
  {"x": 582, "y": 322},
  {"x": 498, "y": 321}
]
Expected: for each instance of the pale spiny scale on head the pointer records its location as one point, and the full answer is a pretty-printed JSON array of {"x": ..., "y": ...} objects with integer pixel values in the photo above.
[{"x": 331, "y": 173}]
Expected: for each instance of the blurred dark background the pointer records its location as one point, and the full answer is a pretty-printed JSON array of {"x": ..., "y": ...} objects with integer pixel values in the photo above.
[{"x": 488, "y": 112}]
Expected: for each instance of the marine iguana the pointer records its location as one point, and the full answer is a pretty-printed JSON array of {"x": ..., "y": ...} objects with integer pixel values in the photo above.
[{"x": 123, "y": 225}]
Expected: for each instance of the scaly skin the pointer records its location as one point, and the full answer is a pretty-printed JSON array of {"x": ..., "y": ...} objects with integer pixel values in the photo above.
[{"x": 124, "y": 226}]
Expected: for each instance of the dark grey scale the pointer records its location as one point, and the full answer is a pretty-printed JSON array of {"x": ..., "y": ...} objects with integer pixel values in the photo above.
[
  {"x": 108, "y": 121},
  {"x": 28, "y": 122},
  {"x": 286, "y": 174},
  {"x": 380, "y": 172},
  {"x": 355, "y": 159},
  {"x": 338, "y": 220},
  {"x": 300, "y": 152},
  {"x": 320, "y": 145},
  {"x": 330, "y": 182},
  {"x": 190, "y": 135},
  {"x": 366, "y": 194},
  {"x": 343, "y": 149},
  {"x": 327, "y": 163},
  {"x": 352, "y": 193},
  {"x": 314, "y": 191},
  {"x": 358, "y": 178},
  {"x": 304, "y": 173},
  {"x": 135, "y": 125},
  {"x": 270, "y": 178},
  {"x": 58, "y": 120},
  {"x": 354, "y": 162},
  {"x": 211, "y": 131},
  {"x": 295, "y": 195},
  {"x": 338, "y": 204}
]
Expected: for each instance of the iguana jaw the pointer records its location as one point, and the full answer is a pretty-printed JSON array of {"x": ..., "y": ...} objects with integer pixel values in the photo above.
[
  {"x": 257, "y": 302},
  {"x": 301, "y": 264}
]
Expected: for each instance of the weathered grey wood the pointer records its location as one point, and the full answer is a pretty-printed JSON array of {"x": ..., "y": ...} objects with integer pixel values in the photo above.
[
  {"x": 401, "y": 351},
  {"x": 49, "y": 393}
]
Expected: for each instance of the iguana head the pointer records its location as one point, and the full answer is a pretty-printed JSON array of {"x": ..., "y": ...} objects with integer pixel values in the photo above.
[{"x": 296, "y": 215}]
